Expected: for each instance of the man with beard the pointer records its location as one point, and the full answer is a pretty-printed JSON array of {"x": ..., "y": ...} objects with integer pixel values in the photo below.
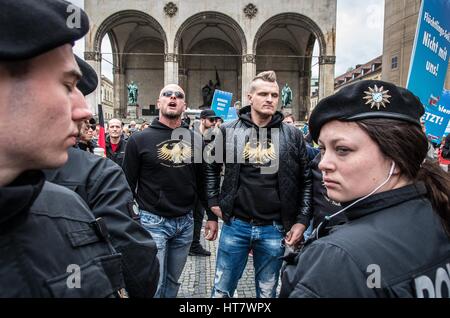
[{"x": 165, "y": 180}]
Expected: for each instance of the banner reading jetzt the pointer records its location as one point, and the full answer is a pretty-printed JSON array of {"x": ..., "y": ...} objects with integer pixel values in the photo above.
[{"x": 429, "y": 63}]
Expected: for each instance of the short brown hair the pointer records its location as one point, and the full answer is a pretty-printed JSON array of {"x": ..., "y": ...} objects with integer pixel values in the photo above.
[
  {"x": 287, "y": 114},
  {"x": 16, "y": 69},
  {"x": 267, "y": 76}
]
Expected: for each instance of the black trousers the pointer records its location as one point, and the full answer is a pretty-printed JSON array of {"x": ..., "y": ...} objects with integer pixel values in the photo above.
[{"x": 199, "y": 214}]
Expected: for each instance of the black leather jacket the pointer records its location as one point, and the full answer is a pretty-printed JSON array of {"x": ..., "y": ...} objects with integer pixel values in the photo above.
[
  {"x": 294, "y": 174},
  {"x": 117, "y": 156}
]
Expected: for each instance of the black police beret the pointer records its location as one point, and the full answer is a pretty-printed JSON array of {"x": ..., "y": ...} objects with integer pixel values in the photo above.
[
  {"x": 89, "y": 81},
  {"x": 366, "y": 99},
  {"x": 29, "y": 28}
]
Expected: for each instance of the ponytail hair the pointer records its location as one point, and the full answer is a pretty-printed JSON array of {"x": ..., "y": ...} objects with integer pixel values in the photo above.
[
  {"x": 407, "y": 145},
  {"x": 438, "y": 185}
]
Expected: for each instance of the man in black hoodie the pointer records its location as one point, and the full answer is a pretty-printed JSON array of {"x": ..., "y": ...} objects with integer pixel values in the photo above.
[
  {"x": 265, "y": 198},
  {"x": 163, "y": 166}
]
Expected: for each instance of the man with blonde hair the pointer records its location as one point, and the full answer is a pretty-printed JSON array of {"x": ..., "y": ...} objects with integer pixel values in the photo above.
[{"x": 265, "y": 197}]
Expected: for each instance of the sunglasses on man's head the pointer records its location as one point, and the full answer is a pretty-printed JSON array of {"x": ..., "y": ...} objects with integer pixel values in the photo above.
[{"x": 177, "y": 94}]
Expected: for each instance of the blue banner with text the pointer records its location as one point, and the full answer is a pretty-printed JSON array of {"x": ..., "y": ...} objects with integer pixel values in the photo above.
[{"x": 429, "y": 63}]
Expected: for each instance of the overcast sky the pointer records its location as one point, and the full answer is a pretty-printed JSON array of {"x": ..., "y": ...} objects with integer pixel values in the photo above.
[{"x": 359, "y": 35}]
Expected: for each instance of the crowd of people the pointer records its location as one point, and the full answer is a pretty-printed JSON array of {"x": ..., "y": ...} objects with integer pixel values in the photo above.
[{"x": 357, "y": 208}]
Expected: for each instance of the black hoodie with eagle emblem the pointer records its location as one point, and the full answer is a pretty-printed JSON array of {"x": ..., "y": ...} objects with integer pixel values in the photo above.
[{"x": 163, "y": 169}]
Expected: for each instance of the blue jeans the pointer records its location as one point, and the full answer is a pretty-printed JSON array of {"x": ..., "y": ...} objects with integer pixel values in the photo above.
[
  {"x": 173, "y": 237},
  {"x": 236, "y": 240},
  {"x": 308, "y": 231}
]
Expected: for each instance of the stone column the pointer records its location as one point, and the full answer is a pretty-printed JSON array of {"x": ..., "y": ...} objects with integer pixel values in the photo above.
[
  {"x": 182, "y": 79},
  {"x": 248, "y": 73},
  {"x": 120, "y": 100},
  {"x": 170, "y": 69},
  {"x": 304, "y": 85},
  {"x": 94, "y": 59},
  {"x": 326, "y": 76}
]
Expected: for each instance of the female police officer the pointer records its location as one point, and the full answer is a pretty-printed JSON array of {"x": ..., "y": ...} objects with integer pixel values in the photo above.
[{"x": 396, "y": 242}]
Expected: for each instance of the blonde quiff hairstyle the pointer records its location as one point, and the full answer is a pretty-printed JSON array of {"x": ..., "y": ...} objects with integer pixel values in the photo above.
[{"x": 267, "y": 76}]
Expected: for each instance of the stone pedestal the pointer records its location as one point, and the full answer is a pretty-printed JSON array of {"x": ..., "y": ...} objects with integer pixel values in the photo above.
[{"x": 132, "y": 112}]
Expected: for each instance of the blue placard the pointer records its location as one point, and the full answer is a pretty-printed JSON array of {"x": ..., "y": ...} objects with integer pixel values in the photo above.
[
  {"x": 437, "y": 117},
  {"x": 232, "y": 114},
  {"x": 429, "y": 63},
  {"x": 221, "y": 103}
]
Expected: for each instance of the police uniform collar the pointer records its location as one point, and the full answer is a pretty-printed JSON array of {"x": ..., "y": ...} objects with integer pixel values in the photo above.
[
  {"x": 384, "y": 200},
  {"x": 373, "y": 204},
  {"x": 19, "y": 196}
]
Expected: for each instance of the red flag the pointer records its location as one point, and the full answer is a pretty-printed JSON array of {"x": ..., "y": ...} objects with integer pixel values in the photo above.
[{"x": 101, "y": 134}]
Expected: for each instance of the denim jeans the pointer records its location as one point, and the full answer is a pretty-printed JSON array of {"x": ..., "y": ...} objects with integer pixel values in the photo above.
[
  {"x": 308, "y": 231},
  {"x": 236, "y": 240},
  {"x": 173, "y": 237}
]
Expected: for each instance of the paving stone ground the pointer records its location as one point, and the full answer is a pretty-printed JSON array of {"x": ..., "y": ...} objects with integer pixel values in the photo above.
[{"x": 198, "y": 275}]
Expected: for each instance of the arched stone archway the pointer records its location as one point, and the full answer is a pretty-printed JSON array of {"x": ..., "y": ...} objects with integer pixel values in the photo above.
[
  {"x": 139, "y": 45},
  {"x": 204, "y": 43},
  {"x": 285, "y": 43}
]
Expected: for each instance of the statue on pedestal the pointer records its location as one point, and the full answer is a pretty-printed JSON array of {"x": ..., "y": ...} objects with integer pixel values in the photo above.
[
  {"x": 133, "y": 92},
  {"x": 286, "y": 97},
  {"x": 208, "y": 92}
]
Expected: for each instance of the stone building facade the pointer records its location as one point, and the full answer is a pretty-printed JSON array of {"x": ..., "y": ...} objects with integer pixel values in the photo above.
[
  {"x": 185, "y": 41},
  {"x": 107, "y": 97},
  {"x": 369, "y": 71}
]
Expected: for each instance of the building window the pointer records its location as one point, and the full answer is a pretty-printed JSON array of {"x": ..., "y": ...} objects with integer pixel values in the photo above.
[{"x": 394, "y": 63}]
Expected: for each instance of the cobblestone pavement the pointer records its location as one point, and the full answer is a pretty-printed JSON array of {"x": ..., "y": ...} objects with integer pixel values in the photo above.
[{"x": 198, "y": 275}]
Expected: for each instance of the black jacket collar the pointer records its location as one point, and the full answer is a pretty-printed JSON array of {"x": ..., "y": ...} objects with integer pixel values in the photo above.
[
  {"x": 17, "y": 197},
  {"x": 245, "y": 116},
  {"x": 158, "y": 125},
  {"x": 385, "y": 200}
]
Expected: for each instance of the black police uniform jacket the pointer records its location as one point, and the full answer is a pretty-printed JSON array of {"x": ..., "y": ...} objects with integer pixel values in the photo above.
[
  {"x": 394, "y": 245},
  {"x": 103, "y": 186},
  {"x": 294, "y": 174},
  {"x": 51, "y": 244}
]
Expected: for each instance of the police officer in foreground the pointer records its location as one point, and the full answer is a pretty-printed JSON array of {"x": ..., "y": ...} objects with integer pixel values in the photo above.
[
  {"x": 50, "y": 242},
  {"x": 102, "y": 185},
  {"x": 396, "y": 241}
]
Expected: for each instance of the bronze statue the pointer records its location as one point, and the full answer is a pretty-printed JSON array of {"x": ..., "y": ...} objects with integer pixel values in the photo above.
[
  {"x": 133, "y": 92},
  {"x": 286, "y": 96}
]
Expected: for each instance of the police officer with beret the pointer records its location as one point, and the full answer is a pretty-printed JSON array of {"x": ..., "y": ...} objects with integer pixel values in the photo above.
[
  {"x": 51, "y": 245},
  {"x": 396, "y": 241},
  {"x": 102, "y": 185}
]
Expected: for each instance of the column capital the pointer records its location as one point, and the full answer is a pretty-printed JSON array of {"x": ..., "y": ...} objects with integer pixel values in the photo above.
[
  {"x": 171, "y": 57},
  {"x": 324, "y": 59},
  {"x": 249, "y": 58},
  {"x": 93, "y": 56}
]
